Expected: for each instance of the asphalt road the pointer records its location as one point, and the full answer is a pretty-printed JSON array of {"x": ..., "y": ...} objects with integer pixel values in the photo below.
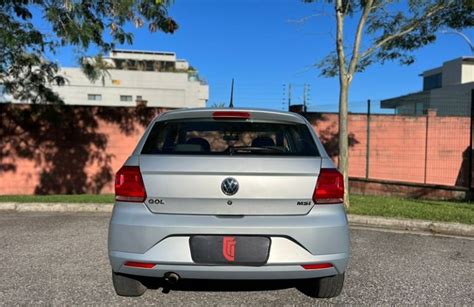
[{"x": 62, "y": 259}]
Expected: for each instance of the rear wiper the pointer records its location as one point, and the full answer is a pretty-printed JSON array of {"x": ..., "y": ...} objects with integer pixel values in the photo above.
[{"x": 233, "y": 149}]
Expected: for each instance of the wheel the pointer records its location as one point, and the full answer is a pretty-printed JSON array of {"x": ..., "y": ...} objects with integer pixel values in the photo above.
[
  {"x": 125, "y": 285},
  {"x": 324, "y": 287}
]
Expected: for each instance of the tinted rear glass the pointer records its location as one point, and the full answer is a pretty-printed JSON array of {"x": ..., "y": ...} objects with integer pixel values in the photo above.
[{"x": 226, "y": 137}]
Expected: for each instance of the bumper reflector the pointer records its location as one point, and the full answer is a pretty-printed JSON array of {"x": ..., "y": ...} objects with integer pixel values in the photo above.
[
  {"x": 317, "y": 266},
  {"x": 143, "y": 265}
]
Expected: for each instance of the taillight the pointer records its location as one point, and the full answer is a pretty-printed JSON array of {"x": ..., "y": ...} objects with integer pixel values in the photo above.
[
  {"x": 329, "y": 188},
  {"x": 129, "y": 184}
]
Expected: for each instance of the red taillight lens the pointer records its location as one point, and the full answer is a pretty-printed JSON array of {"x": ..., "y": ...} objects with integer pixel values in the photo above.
[
  {"x": 230, "y": 115},
  {"x": 317, "y": 266},
  {"x": 143, "y": 265},
  {"x": 329, "y": 188},
  {"x": 129, "y": 184}
]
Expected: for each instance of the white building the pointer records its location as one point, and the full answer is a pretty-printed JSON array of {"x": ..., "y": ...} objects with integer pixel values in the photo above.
[
  {"x": 446, "y": 89},
  {"x": 156, "y": 79}
]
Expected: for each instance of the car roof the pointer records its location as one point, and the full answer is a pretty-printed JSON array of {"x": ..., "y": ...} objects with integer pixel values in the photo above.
[{"x": 259, "y": 114}]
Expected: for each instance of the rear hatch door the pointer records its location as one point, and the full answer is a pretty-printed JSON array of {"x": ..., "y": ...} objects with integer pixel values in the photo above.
[
  {"x": 188, "y": 164},
  {"x": 194, "y": 184}
]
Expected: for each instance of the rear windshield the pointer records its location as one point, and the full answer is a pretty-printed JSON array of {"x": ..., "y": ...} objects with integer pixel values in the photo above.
[{"x": 227, "y": 137}]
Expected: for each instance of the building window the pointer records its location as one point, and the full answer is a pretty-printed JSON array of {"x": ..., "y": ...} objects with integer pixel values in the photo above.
[
  {"x": 168, "y": 66},
  {"x": 126, "y": 98},
  {"x": 433, "y": 81},
  {"x": 131, "y": 65},
  {"x": 119, "y": 63},
  {"x": 139, "y": 97},
  {"x": 150, "y": 66},
  {"x": 419, "y": 110},
  {"x": 94, "y": 97}
]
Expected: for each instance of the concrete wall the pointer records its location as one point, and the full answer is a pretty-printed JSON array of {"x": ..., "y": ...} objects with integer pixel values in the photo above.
[
  {"x": 468, "y": 72},
  {"x": 77, "y": 149},
  {"x": 452, "y": 100},
  {"x": 452, "y": 72}
]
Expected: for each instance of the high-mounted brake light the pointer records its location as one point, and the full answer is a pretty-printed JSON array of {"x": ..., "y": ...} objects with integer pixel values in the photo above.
[
  {"x": 230, "y": 115},
  {"x": 129, "y": 185},
  {"x": 329, "y": 188}
]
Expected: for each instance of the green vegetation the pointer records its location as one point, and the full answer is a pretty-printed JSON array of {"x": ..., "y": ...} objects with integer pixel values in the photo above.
[
  {"x": 77, "y": 198},
  {"x": 33, "y": 31},
  {"x": 443, "y": 211}
]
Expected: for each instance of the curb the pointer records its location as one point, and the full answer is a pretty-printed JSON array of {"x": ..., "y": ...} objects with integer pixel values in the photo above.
[
  {"x": 56, "y": 207},
  {"x": 454, "y": 229}
]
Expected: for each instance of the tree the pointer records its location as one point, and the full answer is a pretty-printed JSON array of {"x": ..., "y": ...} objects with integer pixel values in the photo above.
[
  {"x": 25, "y": 70},
  {"x": 392, "y": 30}
]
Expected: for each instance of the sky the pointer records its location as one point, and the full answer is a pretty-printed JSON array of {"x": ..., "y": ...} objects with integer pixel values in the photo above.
[{"x": 264, "y": 46}]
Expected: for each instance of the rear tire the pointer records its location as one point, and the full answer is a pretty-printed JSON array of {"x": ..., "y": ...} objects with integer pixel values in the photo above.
[
  {"x": 125, "y": 285},
  {"x": 324, "y": 287}
]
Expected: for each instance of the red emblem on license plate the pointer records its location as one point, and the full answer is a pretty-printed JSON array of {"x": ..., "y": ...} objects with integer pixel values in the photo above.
[{"x": 228, "y": 248}]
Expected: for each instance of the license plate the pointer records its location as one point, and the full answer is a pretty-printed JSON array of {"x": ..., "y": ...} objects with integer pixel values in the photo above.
[{"x": 234, "y": 250}]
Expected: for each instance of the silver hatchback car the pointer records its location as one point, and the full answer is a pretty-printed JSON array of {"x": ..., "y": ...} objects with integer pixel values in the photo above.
[{"x": 229, "y": 194}]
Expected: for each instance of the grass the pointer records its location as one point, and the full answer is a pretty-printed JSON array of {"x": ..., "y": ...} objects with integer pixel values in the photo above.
[{"x": 443, "y": 211}]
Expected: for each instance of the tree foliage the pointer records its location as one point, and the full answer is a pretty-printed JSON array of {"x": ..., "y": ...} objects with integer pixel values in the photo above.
[
  {"x": 32, "y": 30},
  {"x": 393, "y": 29}
]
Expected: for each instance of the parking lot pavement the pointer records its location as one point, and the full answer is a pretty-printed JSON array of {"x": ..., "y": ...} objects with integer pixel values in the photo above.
[{"x": 62, "y": 259}]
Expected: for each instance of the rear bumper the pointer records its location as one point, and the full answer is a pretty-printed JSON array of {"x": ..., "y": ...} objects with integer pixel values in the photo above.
[
  {"x": 136, "y": 234},
  {"x": 231, "y": 272}
]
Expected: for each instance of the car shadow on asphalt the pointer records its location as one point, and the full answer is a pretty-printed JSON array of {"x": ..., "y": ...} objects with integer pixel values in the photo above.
[{"x": 220, "y": 285}]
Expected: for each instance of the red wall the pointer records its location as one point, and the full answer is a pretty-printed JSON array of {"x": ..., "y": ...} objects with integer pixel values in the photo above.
[
  {"x": 400, "y": 145},
  {"x": 66, "y": 149},
  {"x": 81, "y": 150}
]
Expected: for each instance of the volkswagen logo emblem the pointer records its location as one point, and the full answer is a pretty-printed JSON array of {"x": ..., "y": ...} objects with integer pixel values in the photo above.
[{"x": 230, "y": 186}]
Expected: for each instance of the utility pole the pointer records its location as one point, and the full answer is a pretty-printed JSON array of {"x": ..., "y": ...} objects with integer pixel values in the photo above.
[
  {"x": 289, "y": 96},
  {"x": 367, "y": 149},
  {"x": 283, "y": 99},
  {"x": 305, "y": 97},
  {"x": 469, "y": 151}
]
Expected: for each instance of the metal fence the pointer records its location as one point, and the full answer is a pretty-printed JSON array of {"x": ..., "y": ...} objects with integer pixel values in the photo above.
[{"x": 423, "y": 138}]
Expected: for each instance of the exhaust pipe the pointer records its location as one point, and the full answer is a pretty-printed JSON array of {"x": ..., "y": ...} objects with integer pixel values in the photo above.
[{"x": 171, "y": 278}]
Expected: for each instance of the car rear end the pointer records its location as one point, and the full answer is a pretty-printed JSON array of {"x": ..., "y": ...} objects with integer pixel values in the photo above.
[{"x": 229, "y": 194}]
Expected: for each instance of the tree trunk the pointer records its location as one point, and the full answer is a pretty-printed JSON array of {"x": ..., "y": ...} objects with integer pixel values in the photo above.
[{"x": 344, "y": 138}]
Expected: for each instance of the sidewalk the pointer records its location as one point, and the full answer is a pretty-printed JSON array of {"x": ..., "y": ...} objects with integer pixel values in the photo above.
[{"x": 454, "y": 229}]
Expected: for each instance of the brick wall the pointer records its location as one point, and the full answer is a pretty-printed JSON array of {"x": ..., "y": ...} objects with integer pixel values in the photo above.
[
  {"x": 425, "y": 149},
  {"x": 66, "y": 149},
  {"x": 404, "y": 189},
  {"x": 71, "y": 149}
]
